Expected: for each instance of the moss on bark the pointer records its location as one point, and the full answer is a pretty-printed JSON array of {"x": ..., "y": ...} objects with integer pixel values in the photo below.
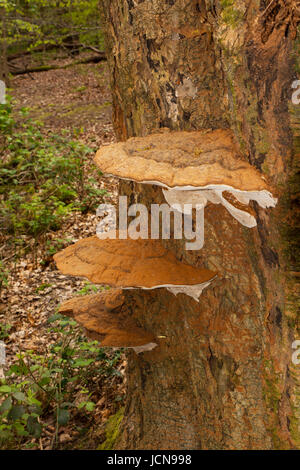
[{"x": 112, "y": 430}]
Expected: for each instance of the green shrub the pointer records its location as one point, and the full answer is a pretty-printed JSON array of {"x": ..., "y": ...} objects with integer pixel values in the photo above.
[
  {"x": 37, "y": 386},
  {"x": 6, "y": 119},
  {"x": 4, "y": 331},
  {"x": 43, "y": 180},
  {"x": 4, "y": 273}
]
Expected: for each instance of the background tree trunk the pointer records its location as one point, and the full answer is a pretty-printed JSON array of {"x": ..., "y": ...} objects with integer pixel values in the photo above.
[
  {"x": 4, "y": 72},
  {"x": 223, "y": 377}
]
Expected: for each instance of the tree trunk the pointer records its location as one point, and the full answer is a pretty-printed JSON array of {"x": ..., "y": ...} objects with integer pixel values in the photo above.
[
  {"x": 4, "y": 72},
  {"x": 223, "y": 376}
]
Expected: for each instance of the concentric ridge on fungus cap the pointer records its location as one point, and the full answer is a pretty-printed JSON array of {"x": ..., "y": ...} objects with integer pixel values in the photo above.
[
  {"x": 128, "y": 263},
  {"x": 195, "y": 159},
  {"x": 105, "y": 318}
]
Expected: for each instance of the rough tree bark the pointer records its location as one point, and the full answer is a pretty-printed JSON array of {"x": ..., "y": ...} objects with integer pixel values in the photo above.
[{"x": 223, "y": 378}]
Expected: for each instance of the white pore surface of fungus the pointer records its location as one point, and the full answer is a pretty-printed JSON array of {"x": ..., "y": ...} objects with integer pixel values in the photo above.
[
  {"x": 144, "y": 348},
  {"x": 179, "y": 197},
  {"x": 193, "y": 291}
]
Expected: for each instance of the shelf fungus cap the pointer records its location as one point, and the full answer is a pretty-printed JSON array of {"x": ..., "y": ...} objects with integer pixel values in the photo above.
[
  {"x": 103, "y": 319},
  {"x": 190, "y": 160},
  {"x": 131, "y": 263},
  {"x": 206, "y": 165}
]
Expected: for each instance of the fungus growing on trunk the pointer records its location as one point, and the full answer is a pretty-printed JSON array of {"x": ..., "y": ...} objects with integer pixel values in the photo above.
[
  {"x": 144, "y": 264},
  {"x": 104, "y": 318},
  {"x": 197, "y": 168}
]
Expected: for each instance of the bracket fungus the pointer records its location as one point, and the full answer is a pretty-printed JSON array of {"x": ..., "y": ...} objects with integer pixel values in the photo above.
[
  {"x": 143, "y": 264},
  {"x": 193, "y": 168},
  {"x": 105, "y": 319}
]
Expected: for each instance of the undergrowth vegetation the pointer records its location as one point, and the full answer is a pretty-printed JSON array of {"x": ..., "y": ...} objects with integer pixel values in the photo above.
[
  {"x": 42, "y": 177},
  {"x": 53, "y": 388},
  {"x": 45, "y": 178}
]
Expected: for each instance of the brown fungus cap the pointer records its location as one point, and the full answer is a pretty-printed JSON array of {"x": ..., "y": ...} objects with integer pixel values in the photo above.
[
  {"x": 195, "y": 159},
  {"x": 113, "y": 328},
  {"x": 128, "y": 263}
]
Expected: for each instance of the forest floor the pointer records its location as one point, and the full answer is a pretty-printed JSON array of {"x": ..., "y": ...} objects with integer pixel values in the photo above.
[{"x": 79, "y": 98}]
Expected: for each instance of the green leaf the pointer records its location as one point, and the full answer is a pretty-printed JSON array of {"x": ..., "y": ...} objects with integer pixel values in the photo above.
[
  {"x": 5, "y": 389},
  {"x": 34, "y": 401},
  {"x": 19, "y": 396},
  {"x": 90, "y": 406},
  {"x": 33, "y": 427},
  {"x": 19, "y": 369},
  {"x": 16, "y": 412},
  {"x": 63, "y": 416},
  {"x": 55, "y": 317},
  {"x": 44, "y": 381},
  {"x": 6, "y": 405},
  {"x": 20, "y": 430},
  {"x": 82, "y": 362},
  {"x": 5, "y": 434}
]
